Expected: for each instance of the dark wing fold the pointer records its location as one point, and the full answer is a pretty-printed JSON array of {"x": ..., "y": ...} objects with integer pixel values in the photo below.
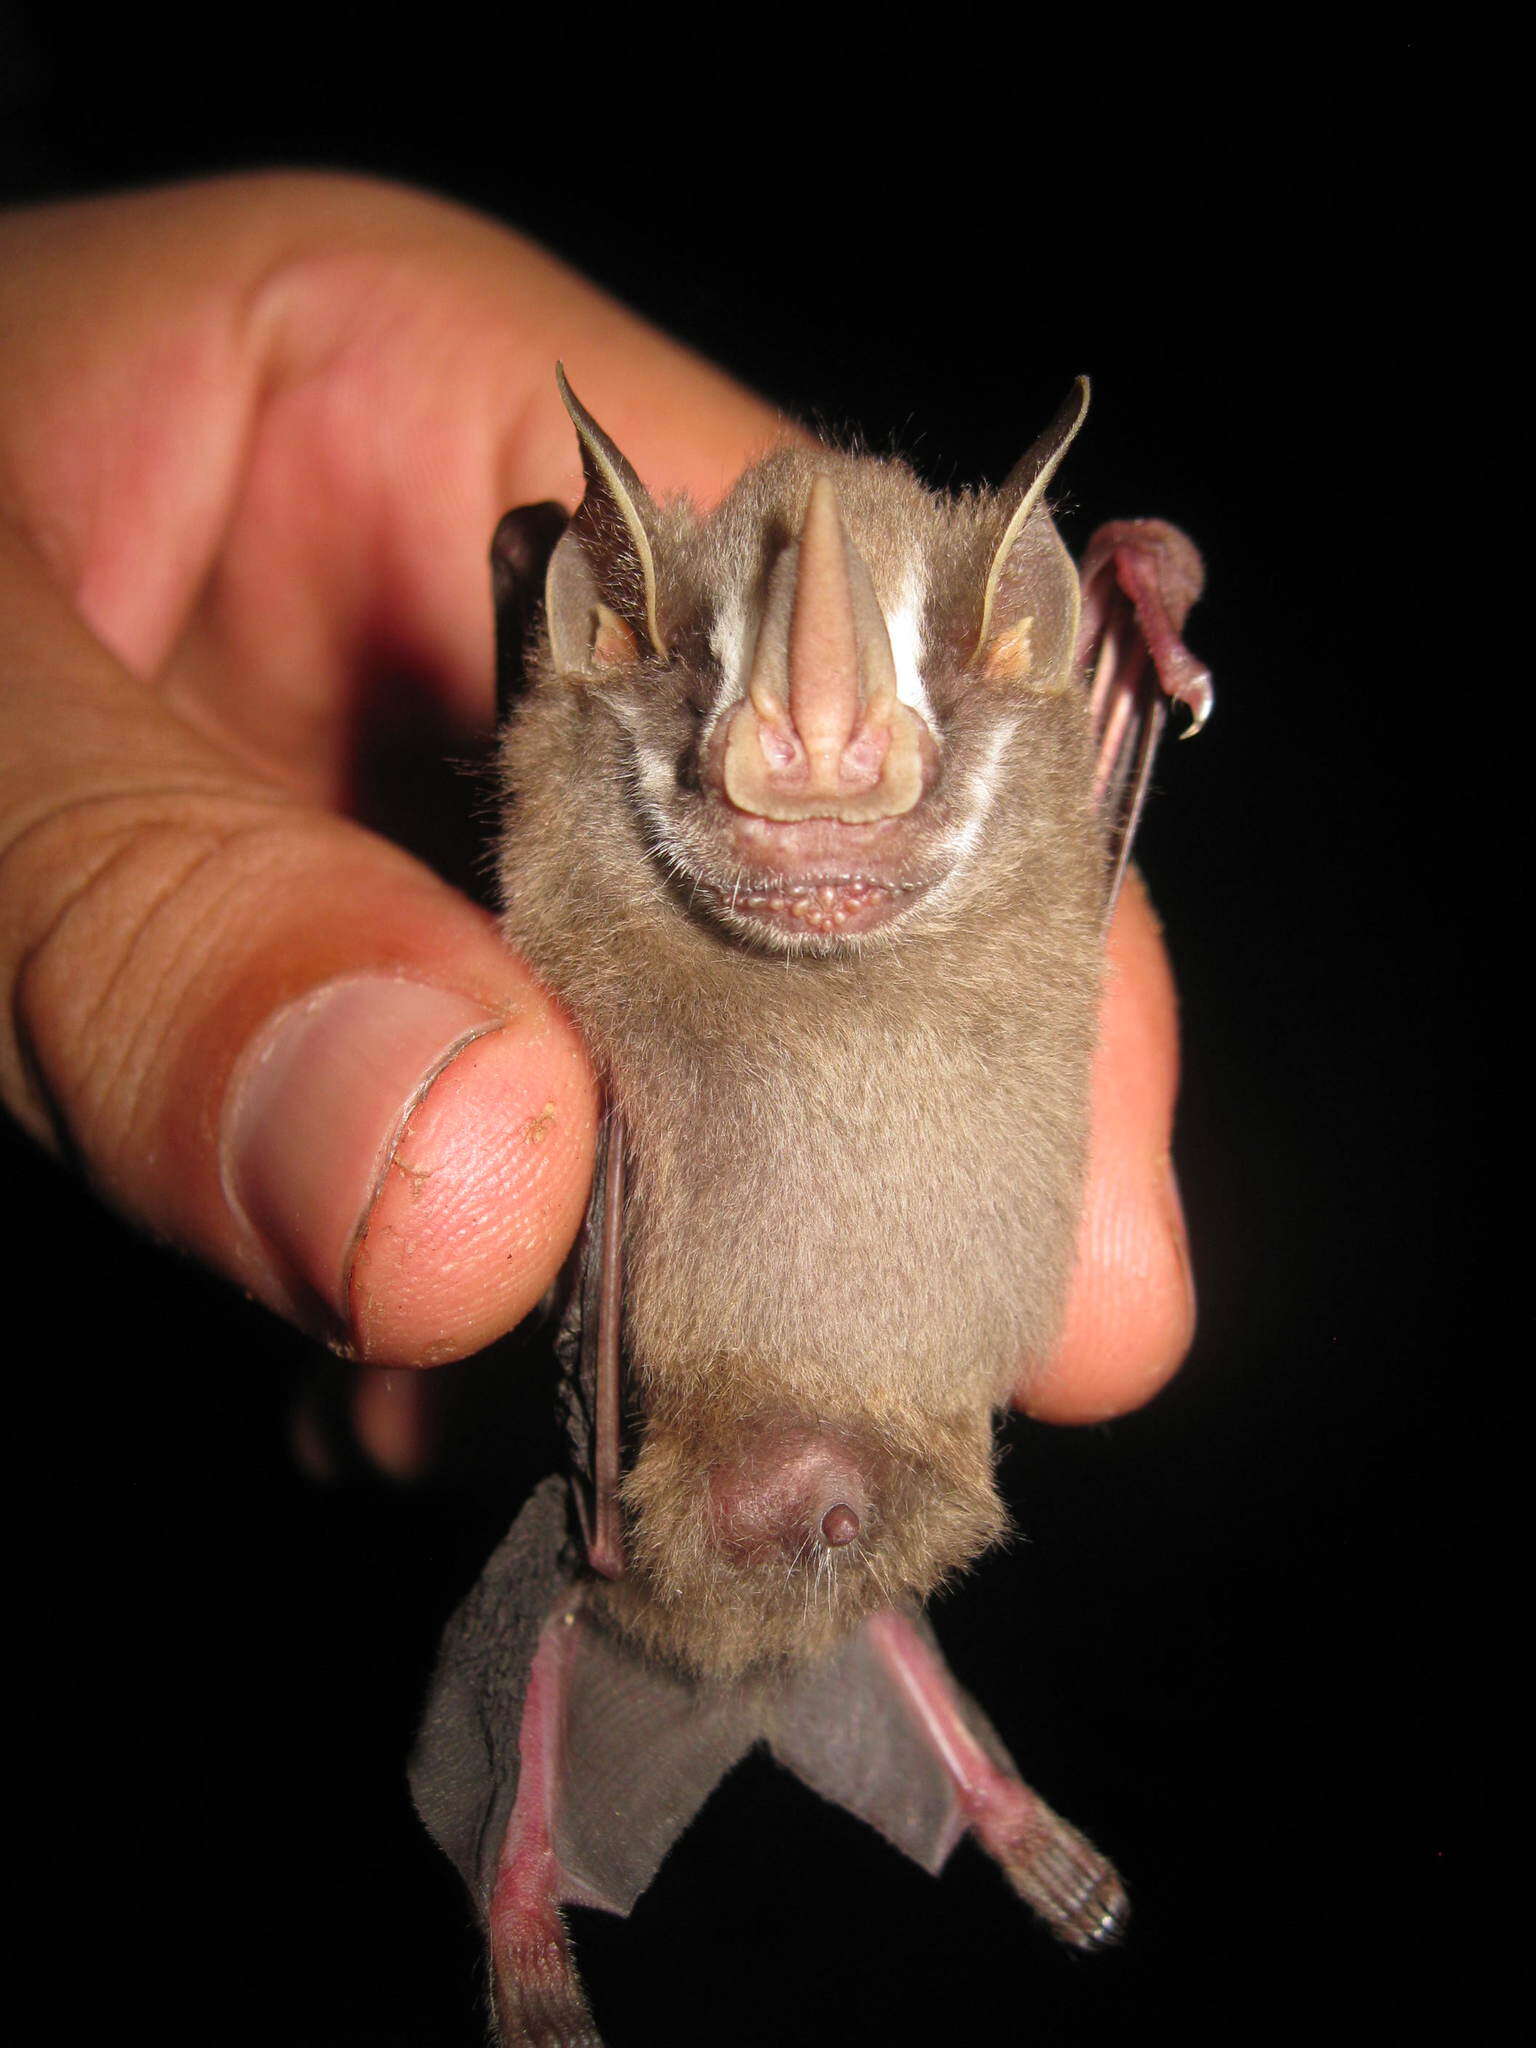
[
  {"x": 644, "y": 1748},
  {"x": 464, "y": 1770},
  {"x": 590, "y": 1350},
  {"x": 520, "y": 552},
  {"x": 850, "y": 1733}
]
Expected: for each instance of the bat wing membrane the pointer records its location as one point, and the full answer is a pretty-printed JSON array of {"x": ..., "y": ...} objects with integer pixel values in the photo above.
[
  {"x": 465, "y": 1770},
  {"x": 643, "y": 1750},
  {"x": 846, "y": 1731}
]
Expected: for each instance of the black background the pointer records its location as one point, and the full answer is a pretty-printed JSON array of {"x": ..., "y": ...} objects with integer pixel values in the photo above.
[{"x": 1222, "y": 1645}]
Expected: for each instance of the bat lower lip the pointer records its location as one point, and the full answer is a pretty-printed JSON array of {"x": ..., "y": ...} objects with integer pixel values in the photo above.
[{"x": 821, "y": 907}]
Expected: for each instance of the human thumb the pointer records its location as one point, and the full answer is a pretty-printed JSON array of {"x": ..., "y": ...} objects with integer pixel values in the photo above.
[{"x": 267, "y": 1035}]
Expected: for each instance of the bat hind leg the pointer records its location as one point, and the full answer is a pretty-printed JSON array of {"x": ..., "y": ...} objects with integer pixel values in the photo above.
[
  {"x": 1056, "y": 1870},
  {"x": 536, "y": 1995}
]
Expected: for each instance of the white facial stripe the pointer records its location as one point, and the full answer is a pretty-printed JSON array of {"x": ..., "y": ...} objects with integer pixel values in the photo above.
[
  {"x": 904, "y": 622},
  {"x": 657, "y": 775},
  {"x": 981, "y": 789},
  {"x": 728, "y": 644}
]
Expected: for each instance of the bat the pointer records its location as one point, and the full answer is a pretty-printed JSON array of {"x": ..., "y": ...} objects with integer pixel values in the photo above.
[{"x": 816, "y": 808}]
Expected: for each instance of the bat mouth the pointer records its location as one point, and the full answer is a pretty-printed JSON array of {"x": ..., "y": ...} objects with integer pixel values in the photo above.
[
  {"x": 836, "y": 906},
  {"x": 813, "y": 882}
]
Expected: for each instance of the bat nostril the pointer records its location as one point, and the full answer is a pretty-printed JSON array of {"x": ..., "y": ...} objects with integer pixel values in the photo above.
[{"x": 839, "y": 1526}]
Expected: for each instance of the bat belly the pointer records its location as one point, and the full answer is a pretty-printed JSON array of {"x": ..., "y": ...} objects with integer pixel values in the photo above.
[{"x": 817, "y": 1354}]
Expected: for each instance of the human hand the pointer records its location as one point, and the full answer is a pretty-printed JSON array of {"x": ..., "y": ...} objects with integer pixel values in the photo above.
[{"x": 254, "y": 437}]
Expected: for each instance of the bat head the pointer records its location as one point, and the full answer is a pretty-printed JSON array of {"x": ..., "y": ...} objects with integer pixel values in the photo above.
[{"x": 803, "y": 701}]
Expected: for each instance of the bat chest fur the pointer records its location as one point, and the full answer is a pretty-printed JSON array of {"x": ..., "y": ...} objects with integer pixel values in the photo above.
[{"x": 867, "y": 1199}]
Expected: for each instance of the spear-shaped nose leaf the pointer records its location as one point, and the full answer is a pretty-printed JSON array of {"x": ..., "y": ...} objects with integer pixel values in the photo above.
[{"x": 821, "y": 732}]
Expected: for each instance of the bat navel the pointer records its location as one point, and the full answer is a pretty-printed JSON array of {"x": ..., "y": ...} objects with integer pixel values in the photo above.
[{"x": 839, "y": 1526}]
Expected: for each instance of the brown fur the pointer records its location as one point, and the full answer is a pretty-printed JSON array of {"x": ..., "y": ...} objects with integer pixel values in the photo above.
[
  {"x": 929, "y": 1479},
  {"x": 854, "y": 1169}
]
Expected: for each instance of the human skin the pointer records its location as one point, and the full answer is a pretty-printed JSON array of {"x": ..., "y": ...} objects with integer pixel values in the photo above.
[{"x": 254, "y": 436}]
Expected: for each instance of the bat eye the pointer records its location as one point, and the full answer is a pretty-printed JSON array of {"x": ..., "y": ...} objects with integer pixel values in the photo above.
[{"x": 839, "y": 1526}]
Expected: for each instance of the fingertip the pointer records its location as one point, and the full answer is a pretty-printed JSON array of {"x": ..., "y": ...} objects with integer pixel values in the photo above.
[
  {"x": 406, "y": 1138},
  {"x": 480, "y": 1199},
  {"x": 1130, "y": 1314},
  {"x": 314, "y": 1112}
]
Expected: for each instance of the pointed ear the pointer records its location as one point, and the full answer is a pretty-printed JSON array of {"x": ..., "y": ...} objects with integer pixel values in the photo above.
[
  {"x": 600, "y": 593},
  {"x": 1028, "y": 628}
]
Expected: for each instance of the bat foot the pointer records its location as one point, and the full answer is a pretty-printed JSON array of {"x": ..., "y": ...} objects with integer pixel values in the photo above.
[
  {"x": 1062, "y": 1877},
  {"x": 1056, "y": 1871},
  {"x": 536, "y": 1996}
]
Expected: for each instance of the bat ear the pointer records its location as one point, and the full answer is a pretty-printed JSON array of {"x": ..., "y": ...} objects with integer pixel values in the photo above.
[
  {"x": 600, "y": 593},
  {"x": 1028, "y": 628}
]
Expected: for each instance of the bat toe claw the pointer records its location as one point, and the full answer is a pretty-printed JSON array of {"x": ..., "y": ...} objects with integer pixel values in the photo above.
[{"x": 1100, "y": 1916}]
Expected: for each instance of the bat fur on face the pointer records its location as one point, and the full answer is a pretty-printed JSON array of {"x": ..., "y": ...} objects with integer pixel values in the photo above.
[{"x": 801, "y": 828}]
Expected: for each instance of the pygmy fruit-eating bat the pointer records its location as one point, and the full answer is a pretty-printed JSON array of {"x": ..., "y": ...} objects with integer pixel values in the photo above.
[{"x": 815, "y": 810}]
